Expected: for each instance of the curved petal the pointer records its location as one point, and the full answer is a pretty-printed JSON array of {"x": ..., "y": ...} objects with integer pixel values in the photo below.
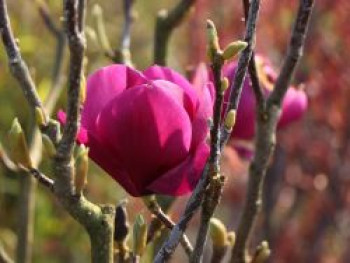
[
  {"x": 104, "y": 85},
  {"x": 185, "y": 96},
  {"x": 147, "y": 131},
  {"x": 205, "y": 90},
  {"x": 293, "y": 106},
  {"x": 183, "y": 178},
  {"x": 157, "y": 72}
]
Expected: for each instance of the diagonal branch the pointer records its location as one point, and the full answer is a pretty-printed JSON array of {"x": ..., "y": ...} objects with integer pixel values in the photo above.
[
  {"x": 295, "y": 51},
  {"x": 166, "y": 22},
  {"x": 243, "y": 62},
  {"x": 252, "y": 65}
]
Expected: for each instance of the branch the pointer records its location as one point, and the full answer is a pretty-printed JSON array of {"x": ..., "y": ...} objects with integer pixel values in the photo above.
[
  {"x": 252, "y": 65},
  {"x": 156, "y": 210},
  {"x": 237, "y": 82},
  {"x": 295, "y": 51},
  {"x": 76, "y": 43},
  {"x": 214, "y": 190},
  {"x": 179, "y": 229},
  {"x": 122, "y": 54},
  {"x": 48, "y": 21},
  {"x": 166, "y": 22},
  {"x": 266, "y": 132},
  {"x": 18, "y": 67}
]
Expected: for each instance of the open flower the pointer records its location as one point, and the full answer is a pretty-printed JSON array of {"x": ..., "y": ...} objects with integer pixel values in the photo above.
[{"x": 147, "y": 129}]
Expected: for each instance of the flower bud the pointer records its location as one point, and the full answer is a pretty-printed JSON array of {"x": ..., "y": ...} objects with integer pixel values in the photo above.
[
  {"x": 18, "y": 148},
  {"x": 39, "y": 117},
  {"x": 218, "y": 233},
  {"x": 224, "y": 84},
  {"x": 230, "y": 119},
  {"x": 82, "y": 96},
  {"x": 139, "y": 235},
  {"x": 231, "y": 238},
  {"x": 81, "y": 169},
  {"x": 262, "y": 253},
  {"x": 213, "y": 40},
  {"x": 233, "y": 49},
  {"x": 121, "y": 224},
  {"x": 48, "y": 146}
]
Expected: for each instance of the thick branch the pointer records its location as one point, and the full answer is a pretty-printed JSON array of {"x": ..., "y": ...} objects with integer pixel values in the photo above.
[
  {"x": 167, "y": 21},
  {"x": 295, "y": 51},
  {"x": 265, "y": 142},
  {"x": 76, "y": 43}
]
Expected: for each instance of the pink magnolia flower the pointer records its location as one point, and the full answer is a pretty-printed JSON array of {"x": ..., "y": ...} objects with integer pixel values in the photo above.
[
  {"x": 147, "y": 129},
  {"x": 293, "y": 107}
]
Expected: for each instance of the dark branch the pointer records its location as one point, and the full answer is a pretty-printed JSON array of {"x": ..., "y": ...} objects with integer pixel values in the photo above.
[
  {"x": 47, "y": 18},
  {"x": 212, "y": 196},
  {"x": 179, "y": 229},
  {"x": 252, "y": 65},
  {"x": 156, "y": 210},
  {"x": 167, "y": 21},
  {"x": 295, "y": 51},
  {"x": 76, "y": 43},
  {"x": 42, "y": 179},
  {"x": 237, "y": 82}
]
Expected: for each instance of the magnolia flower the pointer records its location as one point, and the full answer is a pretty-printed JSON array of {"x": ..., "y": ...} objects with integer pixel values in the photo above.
[
  {"x": 147, "y": 129},
  {"x": 293, "y": 106}
]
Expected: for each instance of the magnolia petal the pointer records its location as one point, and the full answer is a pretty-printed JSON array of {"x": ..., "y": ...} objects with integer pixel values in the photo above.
[
  {"x": 157, "y": 72},
  {"x": 147, "y": 131},
  {"x": 104, "y": 85},
  {"x": 294, "y": 106},
  {"x": 183, "y": 178}
]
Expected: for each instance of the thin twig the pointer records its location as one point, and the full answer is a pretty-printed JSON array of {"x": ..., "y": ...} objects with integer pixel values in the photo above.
[
  {"x": 252, "y": 65},
  {"x": 266, "y": 133},
  {"x": 156, "y": 210},
  {"x": 213, "y": 194},
  {"x": 238, "y": 79},
  {"x": 295, "y": 51},
  {"x": 166, "y": 22}
]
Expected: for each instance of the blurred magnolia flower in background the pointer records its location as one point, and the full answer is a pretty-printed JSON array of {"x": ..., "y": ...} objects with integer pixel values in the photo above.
[{"x": 293, "y": 107}]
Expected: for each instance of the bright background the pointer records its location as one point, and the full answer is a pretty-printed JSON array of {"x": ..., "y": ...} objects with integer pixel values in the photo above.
[{"x": 306, "y": 217}]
